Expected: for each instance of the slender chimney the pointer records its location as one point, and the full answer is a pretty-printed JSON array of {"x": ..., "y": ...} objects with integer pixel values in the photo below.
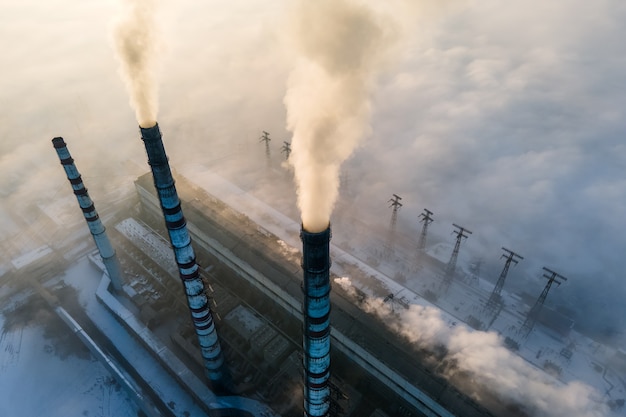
[
  {"x": 184, "y": 254},
  {"x": 96, "y": 227},
  {"x": 316, "y": 337}
]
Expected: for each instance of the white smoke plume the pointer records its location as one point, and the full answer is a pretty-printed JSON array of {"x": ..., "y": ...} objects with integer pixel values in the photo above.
[
  {"x": 342, "y": 46},
  {"x": 136, "y": 43},
  {"x": 490, "y": 364},
  {"x": 339, "y": 44}
]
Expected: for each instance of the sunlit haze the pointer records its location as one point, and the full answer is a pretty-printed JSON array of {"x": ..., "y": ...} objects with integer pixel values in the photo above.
[{"x": 505, "y": 117}]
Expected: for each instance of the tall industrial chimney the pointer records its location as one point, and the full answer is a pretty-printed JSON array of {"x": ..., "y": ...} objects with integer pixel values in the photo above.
[
  {"x": 184, "y": 254},
  {"x": 96, "y": 227},
  {"x": 316, "y": 337}
]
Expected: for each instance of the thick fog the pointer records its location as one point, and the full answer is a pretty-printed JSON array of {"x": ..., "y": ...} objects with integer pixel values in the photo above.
[{"x": 504, "y": 117}]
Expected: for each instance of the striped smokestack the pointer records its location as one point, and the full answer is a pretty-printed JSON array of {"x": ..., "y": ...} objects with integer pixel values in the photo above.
[
  {"x": 184, "y": 254},
  {"x": 96, "y": 227},
  {"x": 316, "y": 337}
]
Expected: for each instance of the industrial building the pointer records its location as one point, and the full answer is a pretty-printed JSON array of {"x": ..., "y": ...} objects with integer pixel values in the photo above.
[
  {"x": 236, "y": 311},
  {"x": 272, "y": 277},
  {"x": 254, "y": 284}
]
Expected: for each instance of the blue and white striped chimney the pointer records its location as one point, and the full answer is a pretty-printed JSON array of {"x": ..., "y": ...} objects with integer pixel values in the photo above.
[
  {"x": 316, "y": 337},
  {"x": 109, "y": 258},
  {"x": 176, "y": 224}
]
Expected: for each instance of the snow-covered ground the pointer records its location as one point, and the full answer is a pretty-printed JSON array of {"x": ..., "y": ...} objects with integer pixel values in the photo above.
[{"x": 38, "y": 378}]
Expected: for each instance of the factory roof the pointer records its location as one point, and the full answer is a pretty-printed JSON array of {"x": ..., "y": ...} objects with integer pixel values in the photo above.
[
  {"x": 31, "y": 256},
  {"x": 373, "y": 281}
]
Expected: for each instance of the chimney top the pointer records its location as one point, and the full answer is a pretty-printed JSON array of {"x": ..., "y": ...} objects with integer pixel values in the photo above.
[{"x": 58, "y": 142}]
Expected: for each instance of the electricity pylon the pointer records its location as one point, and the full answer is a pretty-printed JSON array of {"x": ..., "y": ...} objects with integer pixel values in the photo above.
[
  {"x": 286, "y": 149},
  {"x": 451, "y": 266},
  {"x": 533, "y": 314},
  {"x": 265, "y": 137},
  {"x": 426, "y": 219},
  {"x": 495, "y": 299},
  {"x": 395, "y": 206}
]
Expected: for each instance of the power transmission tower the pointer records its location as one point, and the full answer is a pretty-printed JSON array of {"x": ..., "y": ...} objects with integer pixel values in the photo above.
[
  {"x": 495, "y": 299},
  {"x": 265, "y": 137},
  {"x": 286, "y": 149},
  {"x": 533, "y": 314},
  {"x": 451, "y": 267},
  {"x": 390, "y": 297},
  {"x": 395, "y": 206},
  {"x": 426, "y": 219}
]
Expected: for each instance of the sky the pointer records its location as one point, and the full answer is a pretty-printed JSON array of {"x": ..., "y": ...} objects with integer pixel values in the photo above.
[{"x": 504, "y": 117}]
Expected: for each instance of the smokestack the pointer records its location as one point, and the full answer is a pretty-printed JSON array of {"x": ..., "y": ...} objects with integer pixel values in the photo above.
[
  {"x": 184, "y": 254},
  {"x": 316, "y": 337},
  {"x": 96, "y": 227}
]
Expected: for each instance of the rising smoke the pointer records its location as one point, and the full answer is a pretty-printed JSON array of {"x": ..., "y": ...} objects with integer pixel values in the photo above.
[
  {"x": 339, "y": 46},
  {"x": 484, "y": 357},
  {"x": 342, "y": 47},
  {"x": 136, "y": 42}
]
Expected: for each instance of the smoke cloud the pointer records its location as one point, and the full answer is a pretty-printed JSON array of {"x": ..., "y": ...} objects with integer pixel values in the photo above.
[
  {"x": 339, "y": 45},
  {"x": 136, "y": 42},
  {"x": 490, "y": 364}
]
